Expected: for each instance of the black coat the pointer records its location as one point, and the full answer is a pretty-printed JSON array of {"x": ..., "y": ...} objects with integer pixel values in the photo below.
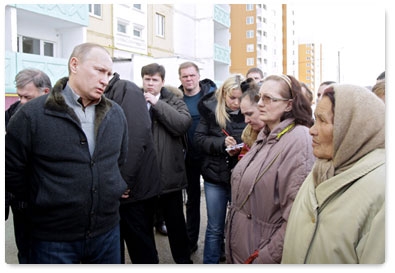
[
  {"x": 170, "y": 122},
  {"x": 71, "y": 194},
  {"x": 217, "y": 163},
  {"x": 141, "y": 171}
]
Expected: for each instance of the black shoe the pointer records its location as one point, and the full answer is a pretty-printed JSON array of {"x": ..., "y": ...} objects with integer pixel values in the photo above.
[{"x": 161, "y": 228}]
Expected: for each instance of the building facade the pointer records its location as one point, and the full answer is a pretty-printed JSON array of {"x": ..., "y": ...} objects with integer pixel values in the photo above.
[
  {"x": 310, "y": 65},
  {"x": 220, "y": 38},
  {"x": 43, "y": 37},
  {"x": 263, "y": 36}
]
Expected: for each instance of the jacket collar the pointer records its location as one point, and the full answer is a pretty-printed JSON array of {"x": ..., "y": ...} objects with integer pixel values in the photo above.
[{"x": 362, "y": 167}]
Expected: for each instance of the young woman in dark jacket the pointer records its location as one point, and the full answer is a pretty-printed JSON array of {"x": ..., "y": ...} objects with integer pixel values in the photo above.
[{"x": 220, "y": 127}]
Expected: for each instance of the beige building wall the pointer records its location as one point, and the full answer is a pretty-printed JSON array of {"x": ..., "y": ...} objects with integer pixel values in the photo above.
[
  {"x": 100, "y": 29},
  {"x": 159, "y": 46}
]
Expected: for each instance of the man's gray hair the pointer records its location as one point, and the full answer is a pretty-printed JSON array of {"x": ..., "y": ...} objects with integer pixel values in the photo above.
[{"x": 36, "y": 76}]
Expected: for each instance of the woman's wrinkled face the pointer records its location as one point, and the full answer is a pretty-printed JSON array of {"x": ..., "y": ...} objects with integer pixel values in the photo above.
[
  {"x": 232, "y": 99},
  {"x": 322, "y": 130}
]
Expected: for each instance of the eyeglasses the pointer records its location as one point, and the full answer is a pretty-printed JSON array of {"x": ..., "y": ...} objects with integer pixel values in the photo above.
[{"x": 268, "y": 99}]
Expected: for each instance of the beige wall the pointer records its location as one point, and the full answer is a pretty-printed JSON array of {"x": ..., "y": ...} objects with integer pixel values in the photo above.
[
  {"x": 100, "y": 30},
  {"x": 160, "y": 46}
]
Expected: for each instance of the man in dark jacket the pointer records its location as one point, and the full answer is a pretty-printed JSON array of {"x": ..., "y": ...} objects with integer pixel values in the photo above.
[
  {"x": 30, "y": 83},
  {"x": 194, "y": 89},
  {"x": 170, "y": 121},
  {"x": 141, "y": 173},
  {"x": 62, "y": 156}
]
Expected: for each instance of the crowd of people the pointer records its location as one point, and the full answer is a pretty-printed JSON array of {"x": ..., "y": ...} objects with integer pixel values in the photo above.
[{"x": 93, "y": 162}]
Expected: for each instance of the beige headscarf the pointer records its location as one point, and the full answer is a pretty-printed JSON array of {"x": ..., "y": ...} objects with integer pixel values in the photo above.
[{"x": 359, "y": 128}]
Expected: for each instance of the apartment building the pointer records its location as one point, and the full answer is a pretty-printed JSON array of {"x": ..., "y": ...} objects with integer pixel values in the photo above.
[
  {"x": 263, "y": 35},
  {"x": 310, "y": 65},
  {"x": 220, "y": 38},
  {"x": 168, "y": 34}
]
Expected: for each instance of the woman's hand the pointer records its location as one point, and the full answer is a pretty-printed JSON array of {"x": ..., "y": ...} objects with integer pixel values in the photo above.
[{"x": 229, "y": 142}]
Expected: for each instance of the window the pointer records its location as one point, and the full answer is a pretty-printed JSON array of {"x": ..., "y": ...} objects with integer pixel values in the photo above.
[
  {"x": 250, "y": 48},
  {"x": 137, "y": 6},
  {"x": 35, "y": 46},
  {"x": 137, "y": 32},
  {"x": 250, "y": 34},
  {"x": 122, "y": 27},
  {"x": 95, "y": 9},
  {"x": 250, "y": 20},
  {"x": 250, "y": 61},
  {"x": 48, "y": 49},
  {"x": 160, "y": 25},
  {"x": 249, "y": 7}
]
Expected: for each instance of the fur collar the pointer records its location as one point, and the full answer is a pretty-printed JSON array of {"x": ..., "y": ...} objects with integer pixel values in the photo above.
[{"x": 56, "y": 102}]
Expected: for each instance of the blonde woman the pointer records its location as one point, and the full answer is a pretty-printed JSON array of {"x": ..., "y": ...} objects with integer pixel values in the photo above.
[{"x": 221, "y": 124}]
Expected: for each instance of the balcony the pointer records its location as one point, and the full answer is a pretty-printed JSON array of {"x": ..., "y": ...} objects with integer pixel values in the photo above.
[
  {"x": 55, "y": 68},
  {"x": 221, "y": 54},
  {"x": 221, "y": 16},
  {"x": 77, "y": 14}
]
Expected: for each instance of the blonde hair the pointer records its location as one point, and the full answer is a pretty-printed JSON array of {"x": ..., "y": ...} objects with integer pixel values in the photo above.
[
  {"x": 221, "y": 115},
  {"x": 249, "y": 135}
]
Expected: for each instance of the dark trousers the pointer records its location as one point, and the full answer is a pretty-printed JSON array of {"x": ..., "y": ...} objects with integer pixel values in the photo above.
[
  {"x": 102, "y": 249},
  {"x": 173, "y": 213},
  {"x": 21, "y": 232},
  {"x": 193, "y": 167},
  {"x": 137, "y": 231}
]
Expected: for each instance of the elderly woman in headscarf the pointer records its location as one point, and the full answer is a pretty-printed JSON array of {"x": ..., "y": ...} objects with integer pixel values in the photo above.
[{"x": 339, "y": 212}]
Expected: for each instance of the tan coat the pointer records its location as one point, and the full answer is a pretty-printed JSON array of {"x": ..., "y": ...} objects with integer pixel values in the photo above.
[
  {"x": 260, "y": 223},
  {"x": 343, "y": 219}
]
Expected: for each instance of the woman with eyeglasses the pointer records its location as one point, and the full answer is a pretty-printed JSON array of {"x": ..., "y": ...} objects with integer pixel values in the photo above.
[
  {"x": 220, "y": 127},
  {"x": 265, "y": 182}
]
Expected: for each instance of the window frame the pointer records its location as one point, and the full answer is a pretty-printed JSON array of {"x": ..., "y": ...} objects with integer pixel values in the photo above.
[
  {"x": 92, "y": 10},
  {"x": 160, "y": 25},
  {"x": 42, "y": 43}
]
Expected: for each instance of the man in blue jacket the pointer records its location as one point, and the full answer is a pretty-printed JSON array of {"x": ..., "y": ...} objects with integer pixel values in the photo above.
[{"x": 63, "y": 153}]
